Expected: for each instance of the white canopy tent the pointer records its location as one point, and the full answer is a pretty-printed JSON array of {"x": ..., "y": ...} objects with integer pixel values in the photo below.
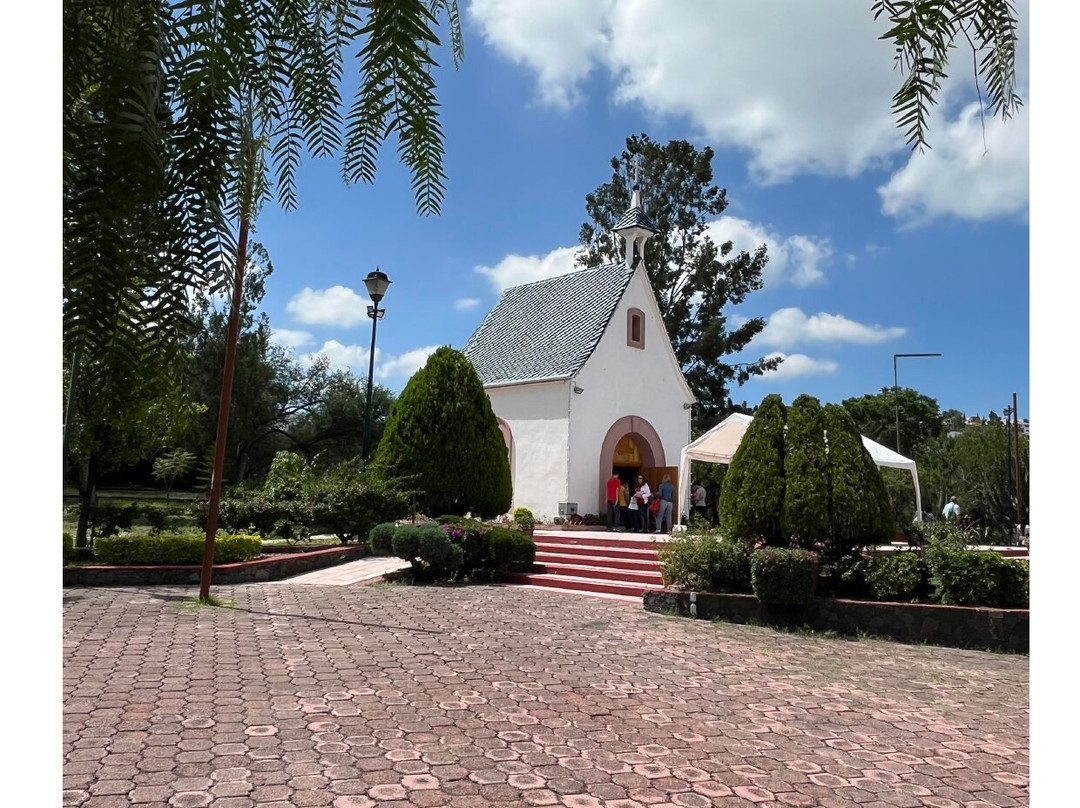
[{"x": 718, "y": 445}]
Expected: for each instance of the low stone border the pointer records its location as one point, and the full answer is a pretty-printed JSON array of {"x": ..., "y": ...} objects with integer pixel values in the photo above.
[
  {"x": 280, "y": 565},
  {"x": 952, "y": 626}
]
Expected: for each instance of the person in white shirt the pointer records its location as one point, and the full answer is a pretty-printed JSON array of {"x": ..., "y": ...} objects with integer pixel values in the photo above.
[
  {"x": 642, "y": 493},
  {"x": 952, "y": 510}
]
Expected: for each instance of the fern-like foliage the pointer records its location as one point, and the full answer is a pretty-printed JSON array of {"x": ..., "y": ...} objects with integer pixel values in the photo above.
[{"x": 925, "y": 31}]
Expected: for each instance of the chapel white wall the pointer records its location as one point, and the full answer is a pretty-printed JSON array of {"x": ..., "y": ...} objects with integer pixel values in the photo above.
[
  {"x": 538, "y": 417},
  {"x": 618, "y": 380}
]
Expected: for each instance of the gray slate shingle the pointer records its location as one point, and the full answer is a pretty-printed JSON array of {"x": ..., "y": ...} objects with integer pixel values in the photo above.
[{"x": 546, "y": 329}]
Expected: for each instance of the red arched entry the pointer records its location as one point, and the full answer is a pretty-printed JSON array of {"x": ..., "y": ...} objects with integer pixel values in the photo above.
[{"x": 647, "y": 441}]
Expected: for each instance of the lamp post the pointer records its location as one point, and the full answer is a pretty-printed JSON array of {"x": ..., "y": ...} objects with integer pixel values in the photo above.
[
  {"x": 377, "y": 283},
  {"x": 896, "y": 387}
]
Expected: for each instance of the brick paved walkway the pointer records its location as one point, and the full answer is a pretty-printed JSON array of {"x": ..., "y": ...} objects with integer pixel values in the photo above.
[{"x": 491, "y": 696}]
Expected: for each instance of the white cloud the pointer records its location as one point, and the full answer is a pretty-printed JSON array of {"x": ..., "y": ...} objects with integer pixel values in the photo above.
[
  {"x": 338, "y": 305},
  {"x": 560, "y": 42},
  {"x": 288, "y": 338},
  {"x": 353, "y": 358},
  {"x": 514, "y": 270},
  {"x": 466, "y": 303},
  {"x": 790, "y": 326},
  {"x": 803, "y": 87},
  {"x": 960, "y": 176},
  {"x": 798, "y": 365},
  {"x": 792, "y": 259},
  {"x": 406, "y": 364}
]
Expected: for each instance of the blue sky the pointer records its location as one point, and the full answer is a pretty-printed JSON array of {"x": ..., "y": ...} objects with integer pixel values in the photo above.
[{"x": 874, "y": 250}]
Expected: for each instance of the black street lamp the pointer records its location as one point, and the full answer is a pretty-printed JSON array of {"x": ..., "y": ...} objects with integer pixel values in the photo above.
[
  {"x": 896, "y": 388},
  {"x": 377, "y": 283}
]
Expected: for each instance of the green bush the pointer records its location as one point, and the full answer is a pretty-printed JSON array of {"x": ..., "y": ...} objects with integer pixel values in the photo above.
[
  {"x": 349, "y": 500},
  {"x": 523, "y": 518},
  {"x": 706, "y": 563},
  {"x": 109, "y": 518},
  {"x": 783, "y": 576},
  {"x": 69, "y": 546},
  {"x": 977, "y": 578},
  {"x": 849, "y": 577},
  {"x": 473, "y": 536},
  {"x": 174, "y": 549},
  {"x": 406, "y": 542},
  {"x": 752, "y": 499},
  {"x": 859, "y": 507},
  {"x": 442, "y": 434},
  {"x": 510, "y": 547},
  {"x": 897, "y": 577},
  {"x": 439, "y": 556},
  {"x": 381, "y": 538},
  {"x": 806, "y": 484}
]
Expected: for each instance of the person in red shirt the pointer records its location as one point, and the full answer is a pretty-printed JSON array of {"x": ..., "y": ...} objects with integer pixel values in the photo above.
[{"x": 613, "y": 501}]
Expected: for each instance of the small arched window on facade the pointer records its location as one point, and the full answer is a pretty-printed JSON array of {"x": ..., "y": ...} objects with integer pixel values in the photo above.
[{"x": 635, "y": 328}]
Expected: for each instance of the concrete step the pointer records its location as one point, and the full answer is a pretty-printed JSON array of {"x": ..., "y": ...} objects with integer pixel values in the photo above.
[
  {"x": 594, "y": 538},
  {"x": 640, "y": 552},
  {"x": 600, "y": 560},
  {"x": 634, "y": 590},
  {"x": 599, "y": 573}
]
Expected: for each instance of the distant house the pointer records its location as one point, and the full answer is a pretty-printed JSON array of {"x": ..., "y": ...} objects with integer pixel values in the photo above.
[{"x": 583, "y": 380}]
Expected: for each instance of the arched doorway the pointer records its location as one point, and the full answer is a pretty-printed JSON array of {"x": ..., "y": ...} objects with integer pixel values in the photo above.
[{"x": 631, "y": 446}]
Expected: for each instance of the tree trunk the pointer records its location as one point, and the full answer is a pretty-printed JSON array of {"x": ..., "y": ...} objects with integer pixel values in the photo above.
[{"x": 87, "y": 497}]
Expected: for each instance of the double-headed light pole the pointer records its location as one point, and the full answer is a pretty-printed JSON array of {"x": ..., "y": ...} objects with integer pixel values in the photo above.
[
  {"x": 896, "y": 387},
  {"x": 377, "y": 283}
]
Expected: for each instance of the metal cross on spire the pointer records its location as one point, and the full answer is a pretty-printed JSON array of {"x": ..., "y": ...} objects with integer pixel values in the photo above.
[{"x": 637, "y": 162}]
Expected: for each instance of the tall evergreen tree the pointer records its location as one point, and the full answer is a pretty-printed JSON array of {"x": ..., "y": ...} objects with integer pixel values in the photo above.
[
  {"x": 860, "y": 512},
  {"x": 752, "y": 501},
  {"x": 806, "y": 489},
  {"x": 695, "y": 280},
  {"x": 442, "y": 436}
]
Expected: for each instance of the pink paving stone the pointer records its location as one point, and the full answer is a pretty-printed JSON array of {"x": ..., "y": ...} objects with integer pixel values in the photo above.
[
  {"x": 688, "y": 799},
  {"x": 652, "y": 771},
  {"x": 753, "y": 793},
  {"x": 581, "y": 801},
  {"x": 417, "y": 782},
  {"x": 540, "y": 797},
  {"x": 354, "y": 801},
  {"x": 388, "y": 791},
  {"x": 525, "y": 781},
  {"x": 190, "y": 799},
  {"x": 1010, "y": 778},
  {"x": 828, "y": 780},
  {"x": 879, "y": 776},
  {"x": 690, "y": 774},
  {"x": 230, "y": 774},
  {"x": 261, "y": 730},
  {"x": 940, "y": 802},
  {"x": 796, "y": 798},
  {"x": 713, "y": 789},
  {"x": 804, "y": 766}
]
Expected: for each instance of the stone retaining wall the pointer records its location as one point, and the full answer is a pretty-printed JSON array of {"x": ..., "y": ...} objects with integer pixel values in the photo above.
[
  {"x": 953, "y": 626},
  {"x": 282, "y": 565}
]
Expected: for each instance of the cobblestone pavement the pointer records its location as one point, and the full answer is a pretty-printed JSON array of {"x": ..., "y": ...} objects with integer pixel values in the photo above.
[{"x": 395, "y": 697}]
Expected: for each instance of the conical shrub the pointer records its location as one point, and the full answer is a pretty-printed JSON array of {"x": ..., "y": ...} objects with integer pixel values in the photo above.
[
  {"x": 860, "y": 514},
  {"x": 442, "y": 435},
  {"x": 806, "y": 486},
  {"x": 752, "y": 500}
]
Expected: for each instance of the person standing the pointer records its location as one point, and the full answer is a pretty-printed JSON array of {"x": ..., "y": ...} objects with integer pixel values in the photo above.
[
  {"x": 666, "y": 492},
  {"x": 641, "y": 501},
  {"x": 700, "y": 501},
  {"x": 624, "y": 505},
  {"x": 952, "y": 510},
  {"x": 613, "y": 514}
]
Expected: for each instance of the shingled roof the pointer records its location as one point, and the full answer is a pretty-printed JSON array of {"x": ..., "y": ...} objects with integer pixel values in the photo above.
[{"x": 546, "y": 329}]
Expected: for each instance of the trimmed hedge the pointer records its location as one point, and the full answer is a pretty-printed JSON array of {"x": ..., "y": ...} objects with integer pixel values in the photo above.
[
  {"x": 897, "y": 577},
  {"x": 978, "y": 578},
  {"x": 175, "y": 549},
  {"x": 783, "y": 577},
  {"x": 381, "y": 539},
  {"x": 69, "y": 547},
  {"x": 706, "y": 563},
  {"x": 509, "y": 546}
]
